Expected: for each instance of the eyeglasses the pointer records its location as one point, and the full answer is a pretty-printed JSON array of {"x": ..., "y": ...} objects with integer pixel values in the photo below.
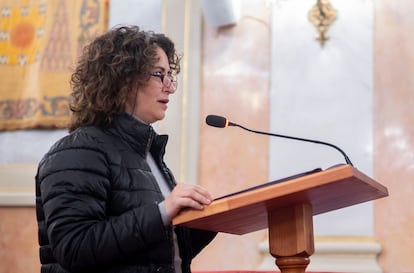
[{"x": 166, "y": 79}]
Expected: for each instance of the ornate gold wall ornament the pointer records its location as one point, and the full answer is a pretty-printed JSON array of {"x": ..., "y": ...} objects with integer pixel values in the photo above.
[{"x": 322, "y": 15}]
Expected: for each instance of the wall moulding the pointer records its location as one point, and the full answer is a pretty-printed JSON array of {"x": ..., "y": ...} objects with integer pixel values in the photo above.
[{"x": 17, "y": 185}]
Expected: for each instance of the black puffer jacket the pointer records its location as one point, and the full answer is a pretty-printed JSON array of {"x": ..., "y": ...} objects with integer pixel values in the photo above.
[{"x": 97, "y": 204}]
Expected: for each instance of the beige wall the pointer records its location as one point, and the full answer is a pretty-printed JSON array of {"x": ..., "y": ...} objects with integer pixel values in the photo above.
[
  {"x": 231, "y": 91},
  {"x": 394, "y": 132},
  {"x": 18, "y": 241},
  {"x": 235, "y": 83}
]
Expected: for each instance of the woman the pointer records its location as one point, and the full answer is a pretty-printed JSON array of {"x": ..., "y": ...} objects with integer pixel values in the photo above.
[{"x": 104, "y": 196}]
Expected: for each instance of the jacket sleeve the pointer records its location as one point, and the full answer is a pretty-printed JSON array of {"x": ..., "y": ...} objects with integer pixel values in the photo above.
[{"x": 75, "y": 188}]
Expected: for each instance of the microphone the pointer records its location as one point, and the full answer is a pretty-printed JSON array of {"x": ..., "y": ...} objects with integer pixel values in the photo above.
[{"x": 222, "y": 122}]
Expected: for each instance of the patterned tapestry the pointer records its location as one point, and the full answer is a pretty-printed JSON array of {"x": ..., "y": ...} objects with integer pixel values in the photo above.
[{"x": 40, "y": 41}]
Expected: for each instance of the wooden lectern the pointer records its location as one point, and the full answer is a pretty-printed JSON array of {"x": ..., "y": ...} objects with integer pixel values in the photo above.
[{"x": 287, "y": 210}]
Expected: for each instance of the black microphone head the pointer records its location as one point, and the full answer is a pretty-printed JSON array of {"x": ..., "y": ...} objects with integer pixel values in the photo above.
[{"x": 216, "y": 121}]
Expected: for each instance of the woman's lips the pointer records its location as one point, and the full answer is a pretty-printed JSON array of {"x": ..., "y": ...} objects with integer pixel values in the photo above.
[{"x": 164, "y": 102}]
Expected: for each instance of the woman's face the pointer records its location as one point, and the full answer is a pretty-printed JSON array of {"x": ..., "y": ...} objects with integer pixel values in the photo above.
[{"x": 149, "y": 102}]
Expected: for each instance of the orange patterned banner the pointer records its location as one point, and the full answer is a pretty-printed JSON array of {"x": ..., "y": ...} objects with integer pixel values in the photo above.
[{"x": 40, "y": 41}]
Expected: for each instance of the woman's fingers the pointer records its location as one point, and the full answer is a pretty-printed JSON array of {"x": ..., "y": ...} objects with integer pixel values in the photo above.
[{"x": 186, "y": 196}]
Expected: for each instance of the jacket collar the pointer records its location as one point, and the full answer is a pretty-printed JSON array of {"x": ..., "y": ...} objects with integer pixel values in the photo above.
[{"x": 140, "y": 136}]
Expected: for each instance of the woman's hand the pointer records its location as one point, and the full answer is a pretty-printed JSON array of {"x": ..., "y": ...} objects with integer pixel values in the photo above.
[{"x": 186, "y": 196}]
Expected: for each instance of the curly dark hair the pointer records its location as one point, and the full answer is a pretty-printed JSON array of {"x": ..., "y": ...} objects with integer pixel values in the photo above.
[{"x": 110, "y": 66}]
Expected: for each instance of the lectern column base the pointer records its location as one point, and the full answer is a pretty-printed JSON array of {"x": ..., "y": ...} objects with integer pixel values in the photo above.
[{"x": 292, "y": 264}]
